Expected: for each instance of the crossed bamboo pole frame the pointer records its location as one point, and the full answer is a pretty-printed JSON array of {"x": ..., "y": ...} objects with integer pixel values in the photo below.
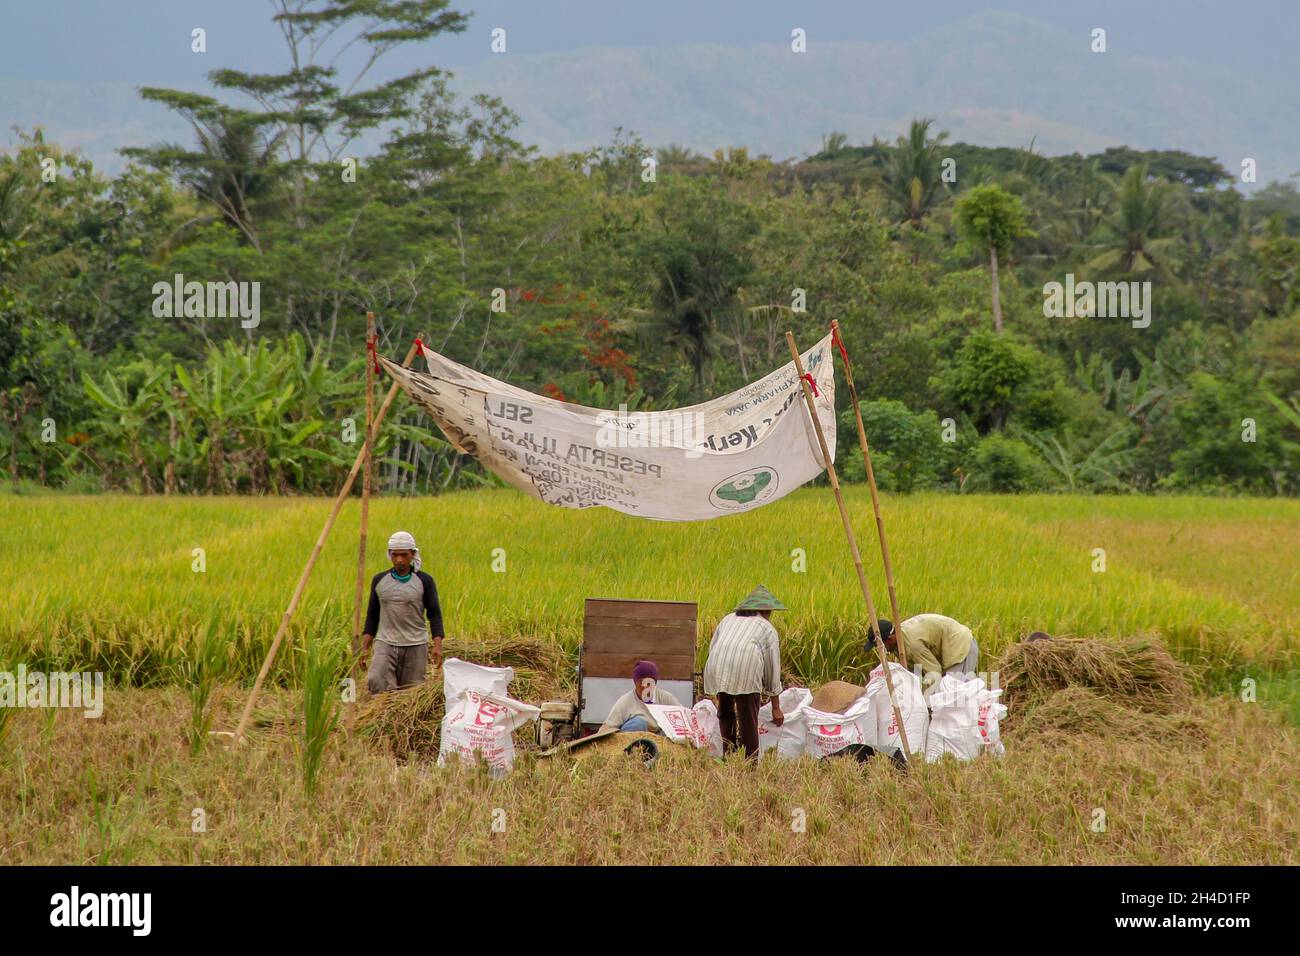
[
  {"x": 364, "y": 461},
  {"x": 804, "y": 380},
  {"x": 875, "y": 494}
]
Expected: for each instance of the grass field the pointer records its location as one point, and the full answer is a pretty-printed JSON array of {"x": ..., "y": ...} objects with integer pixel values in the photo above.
[{"x": 108, "y": 584}]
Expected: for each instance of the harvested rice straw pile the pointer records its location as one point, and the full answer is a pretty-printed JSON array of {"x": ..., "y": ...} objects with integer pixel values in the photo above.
[
  {"x": 1131, "y": 688},
  {"x": 1137, "y": 673},
  {"x": 408, "y": 722},
  {"x": 1080, "y": 710}
]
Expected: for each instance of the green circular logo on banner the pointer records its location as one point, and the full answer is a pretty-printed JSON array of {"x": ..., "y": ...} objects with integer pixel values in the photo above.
[{"x": 745, "y": 490}]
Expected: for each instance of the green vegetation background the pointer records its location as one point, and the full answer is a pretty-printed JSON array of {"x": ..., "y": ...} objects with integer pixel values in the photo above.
[{"x": 620, "y": 286}]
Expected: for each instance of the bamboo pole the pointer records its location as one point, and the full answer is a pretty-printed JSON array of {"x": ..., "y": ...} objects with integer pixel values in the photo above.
[
  {"x": 366, "y": 470},
  {"x": 875, "y": 494},
  {"x": 315, "y": 553},
  {"x": 853, "y": 542}
]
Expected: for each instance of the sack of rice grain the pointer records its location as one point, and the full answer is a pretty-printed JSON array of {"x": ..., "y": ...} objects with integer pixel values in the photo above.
[
  {"x": 836, "y": 696},
  {"x": 707, "y": 715},
  {"x": 683, "y": 725},
  {"x": 911, "y": 704},
  {"x": 827, "y": 733},
  {"x": 788, "y": 740},
  {"x": 459, "y": 676},
  {"x": 964, "y": 719},
  {"x": 483, "y": 725}
]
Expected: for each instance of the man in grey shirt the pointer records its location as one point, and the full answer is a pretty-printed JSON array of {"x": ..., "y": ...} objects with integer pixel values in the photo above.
[{"x": 400, "y": 600}]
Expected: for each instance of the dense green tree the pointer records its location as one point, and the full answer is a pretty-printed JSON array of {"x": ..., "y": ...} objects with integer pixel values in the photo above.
[
  {"x": 1230, "y": 436},
  {"x": 908, "y": 452},
  {"x": 696, "y": 260},
  {"x": 986, "y": 375},
  {"x": 579, "y": 277},
  {"x": 1004, "y": 464}
]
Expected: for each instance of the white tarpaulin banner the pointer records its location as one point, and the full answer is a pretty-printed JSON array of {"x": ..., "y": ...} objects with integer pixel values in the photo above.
[{"x": 724, "y": 456}]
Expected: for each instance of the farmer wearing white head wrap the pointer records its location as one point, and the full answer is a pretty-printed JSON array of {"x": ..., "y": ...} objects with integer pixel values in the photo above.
[
  {"x": 400, "y": 600},
  {"x": 405, "y": 541}
]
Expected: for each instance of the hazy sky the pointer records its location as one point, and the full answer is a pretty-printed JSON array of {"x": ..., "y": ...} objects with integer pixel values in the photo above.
[
  {"x": 148, "y": 41},
  {"x": 1214, "y": 78}
]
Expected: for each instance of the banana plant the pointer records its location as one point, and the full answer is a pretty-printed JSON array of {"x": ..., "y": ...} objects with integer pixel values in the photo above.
[
  {"x": 220, "y": 398},
  {"x": 1101, "y": 466},
  {"x": 129, "y": 417}
]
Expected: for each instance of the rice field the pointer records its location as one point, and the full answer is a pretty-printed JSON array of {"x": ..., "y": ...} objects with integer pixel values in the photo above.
[
  {"x": 110, "y": 583},
  {"x": 115, "y": 584},
  {"x": 125, "y": 790}
]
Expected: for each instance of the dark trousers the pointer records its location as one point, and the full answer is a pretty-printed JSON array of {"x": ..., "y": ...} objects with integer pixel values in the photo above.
[
  {"x": 393, "y": 667},
  {"x": 739, "y": 712}
]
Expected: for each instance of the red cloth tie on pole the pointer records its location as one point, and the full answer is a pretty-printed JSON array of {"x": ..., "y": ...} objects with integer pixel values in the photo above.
[
  {"x": 812, "y": 383},
  {"x": 839, "y": 343}
]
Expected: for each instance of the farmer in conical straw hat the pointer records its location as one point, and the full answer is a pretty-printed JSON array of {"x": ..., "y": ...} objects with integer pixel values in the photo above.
[
  {"x": 400, "y": 599},
  {"x": 744, "y": 664}
]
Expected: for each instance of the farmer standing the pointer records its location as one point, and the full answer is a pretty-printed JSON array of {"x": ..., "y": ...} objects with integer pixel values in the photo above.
[
  {"x": 935, "y": 643},
  {"x": 744, "y": 664},
  {"x": 400, "y": 599}
]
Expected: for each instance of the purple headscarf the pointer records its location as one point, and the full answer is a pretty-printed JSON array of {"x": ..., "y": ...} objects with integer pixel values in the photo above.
[{"x": 644, "y": 669}]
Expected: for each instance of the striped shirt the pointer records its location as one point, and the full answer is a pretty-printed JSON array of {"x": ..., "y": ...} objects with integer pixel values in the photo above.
[{"x": 744, "y": 657}]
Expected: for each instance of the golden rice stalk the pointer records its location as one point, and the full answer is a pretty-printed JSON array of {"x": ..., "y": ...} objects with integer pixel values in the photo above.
[
  {"x": 1081, "y": 710},
  {"x": 408, "y": 722}
]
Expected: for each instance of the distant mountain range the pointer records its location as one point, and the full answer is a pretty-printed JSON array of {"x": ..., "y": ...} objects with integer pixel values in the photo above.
[{"x": 993, "y": 79}]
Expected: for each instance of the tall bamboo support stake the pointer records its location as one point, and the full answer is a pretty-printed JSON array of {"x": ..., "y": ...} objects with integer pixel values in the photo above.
[
  {"x": 315, "y": 553},
  {"x": 367, "y": 469},
  {"x": 875, "y": 494},
  {"x": 853, "y": 541}
]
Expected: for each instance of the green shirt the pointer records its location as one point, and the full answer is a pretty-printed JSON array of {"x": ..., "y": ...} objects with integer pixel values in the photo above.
[{"x": 935, "y": 642}]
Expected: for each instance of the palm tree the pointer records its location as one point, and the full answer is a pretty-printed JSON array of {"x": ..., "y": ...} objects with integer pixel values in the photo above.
[
  {"x": 23, "y": 208},
  {"x": 913, "y": 174},
  {"x": 832, "y": 143},
  {"x": 676, "y": 156},
  {"x": 1131, "y": 236},
  {"x": 1065, "y": 204},
  {"x": 991, "y": 219}
]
